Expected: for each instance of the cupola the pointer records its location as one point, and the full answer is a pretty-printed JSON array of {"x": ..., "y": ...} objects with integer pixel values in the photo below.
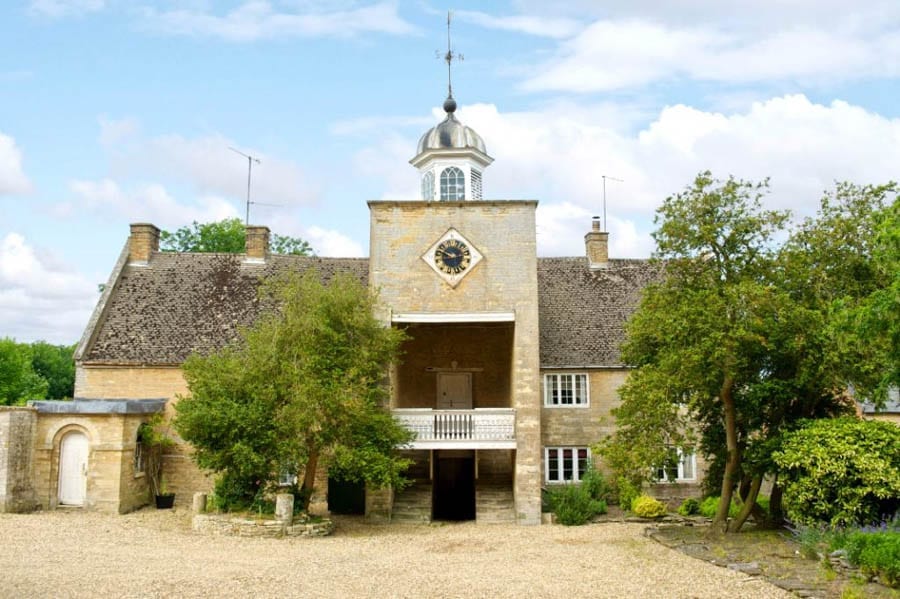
[{"x": 451, "y": 159}]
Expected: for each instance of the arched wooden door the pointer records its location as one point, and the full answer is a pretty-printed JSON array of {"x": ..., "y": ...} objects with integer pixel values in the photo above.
[{"x": 73, "y": 462}]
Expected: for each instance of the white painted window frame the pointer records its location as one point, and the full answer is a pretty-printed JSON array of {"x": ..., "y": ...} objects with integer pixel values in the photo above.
[
  {"x": 680, "y": 478},
  {"x": 576, "y": 474},
  {"x": 548, "y": 395}
]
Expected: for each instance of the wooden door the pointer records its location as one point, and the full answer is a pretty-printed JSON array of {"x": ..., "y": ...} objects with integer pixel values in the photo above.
[
  {"x": 73, "y": 458},
  {"x": 454, "y": 391}
]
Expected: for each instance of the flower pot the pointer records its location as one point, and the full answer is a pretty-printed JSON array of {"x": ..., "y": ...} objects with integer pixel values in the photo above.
[{"x": 165, "y": 502}]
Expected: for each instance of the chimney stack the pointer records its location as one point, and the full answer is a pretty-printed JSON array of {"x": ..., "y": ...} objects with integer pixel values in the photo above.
[
  {"x": 596, "y": 244},
  {"x": 143, "y": 242},
  {"x": 257, "y": 243}
]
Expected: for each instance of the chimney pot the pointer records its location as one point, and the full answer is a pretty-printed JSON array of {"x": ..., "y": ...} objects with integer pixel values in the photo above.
[{"x": 142, "y": 243}]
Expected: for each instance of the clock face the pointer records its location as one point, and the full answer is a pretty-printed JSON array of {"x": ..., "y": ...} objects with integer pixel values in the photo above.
[{"x": 452, "y": 256}]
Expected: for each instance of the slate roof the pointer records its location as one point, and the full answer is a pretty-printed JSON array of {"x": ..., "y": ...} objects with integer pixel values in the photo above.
[
  {"x": 583, "y": 312},
  {"x": 180, "y": 303}
]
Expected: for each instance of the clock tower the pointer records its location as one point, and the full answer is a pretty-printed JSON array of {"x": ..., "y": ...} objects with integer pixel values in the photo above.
[{"x": 458, "y": 273}]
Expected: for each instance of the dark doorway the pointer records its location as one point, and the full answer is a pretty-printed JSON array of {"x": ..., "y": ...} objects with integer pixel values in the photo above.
[
  {"x": 454, "y": 488},
  {"x": 345, "y": 497}
]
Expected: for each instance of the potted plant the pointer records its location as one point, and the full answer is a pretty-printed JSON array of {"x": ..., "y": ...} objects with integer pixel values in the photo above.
[{"x": 155, "y": 439}]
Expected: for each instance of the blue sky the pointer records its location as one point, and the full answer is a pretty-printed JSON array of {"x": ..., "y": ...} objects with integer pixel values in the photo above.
[{"x": 115, "y": 111}]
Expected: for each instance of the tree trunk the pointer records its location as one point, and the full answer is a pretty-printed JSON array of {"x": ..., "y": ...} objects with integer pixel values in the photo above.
[
  {"x": 776, "y": 509},
  {"x": 309, "y": 479},
  {"x": 749, "y": 504},
  {"x": 732, "y": 464}
]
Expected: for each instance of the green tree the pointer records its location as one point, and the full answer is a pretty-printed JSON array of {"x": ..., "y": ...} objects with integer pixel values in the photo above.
[
  {"x": 841, "y": 471},
  {"x": 56, "y": 365},
  {"x": 18, "y": 380},
  {"x": 845, "y": 263},
  {"x": 226, "y": 236},
  {"x": 307, "y": 380},
  {"x": 719, "y": 347}
]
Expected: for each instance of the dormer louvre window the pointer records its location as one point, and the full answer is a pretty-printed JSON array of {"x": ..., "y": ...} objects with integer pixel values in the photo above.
[
  {"x": 453, "y": 185},
  {"x": 428, "y": 186},
  {"x": 476, "y": 184}
]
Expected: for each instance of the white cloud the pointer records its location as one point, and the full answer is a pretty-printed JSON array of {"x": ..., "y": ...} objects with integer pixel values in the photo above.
[
  {"x": 12, "y": 178},
  {"x": 207, "y": 165},
  {"x": 558, "y": 157},
  {"x": 628, "y": 53},
  {"x": 40, "y": 296},
  {"x": 64, "y": 8},
  {"x": 555, "y": 27},
  {"x": 327, "y": 242},
  {"x": 116, "y": 131},
  {"x": 144, "y": 203},
  {"x": 257, "y": 19}
]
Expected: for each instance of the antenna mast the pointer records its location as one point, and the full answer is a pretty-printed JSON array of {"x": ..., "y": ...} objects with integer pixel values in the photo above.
[
  {"x": 250, "y": 161},
  {"x": 605, "y": 177}
]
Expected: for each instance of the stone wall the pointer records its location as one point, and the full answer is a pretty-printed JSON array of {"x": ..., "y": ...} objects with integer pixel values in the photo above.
[
  {"x": 182, "y": 475},
  {"x": 17, "y": 430},
  {"x": 225, "y": 525},
  {"x": 585, "y": 426}
]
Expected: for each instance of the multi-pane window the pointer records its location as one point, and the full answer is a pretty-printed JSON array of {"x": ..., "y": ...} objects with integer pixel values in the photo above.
[
  {"x": 428, "y": 186},
  {"x": 476, "y": 184},
  {"x": 685, "y": 470},
  {"x": 565, "y": 464},
  {"x": 453, "y": 184},
  {"x": 566, "y": 390}
]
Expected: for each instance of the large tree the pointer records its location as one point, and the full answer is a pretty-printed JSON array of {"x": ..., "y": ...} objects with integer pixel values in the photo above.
[
  {"x": 55, "y": 363},
  {"x": 845, "y": 262},
  {"x": 18, "y": 380},
  {"x": 226, "y": 236},
  {"x": 307, "y": 380},
  {"x": 719, "y": 346}
]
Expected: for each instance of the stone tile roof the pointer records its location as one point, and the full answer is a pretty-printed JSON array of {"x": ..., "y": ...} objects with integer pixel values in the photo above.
[
  {"x": 583, "y": 312},
  {"x": 180, "y": 303}
]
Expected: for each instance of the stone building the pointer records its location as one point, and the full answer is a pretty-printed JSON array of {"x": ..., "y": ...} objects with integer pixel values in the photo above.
[{"x": 508, "y": 377}]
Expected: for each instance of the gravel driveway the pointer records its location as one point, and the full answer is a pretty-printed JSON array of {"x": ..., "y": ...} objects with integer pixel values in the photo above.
[{"x": 150, "y": 553}]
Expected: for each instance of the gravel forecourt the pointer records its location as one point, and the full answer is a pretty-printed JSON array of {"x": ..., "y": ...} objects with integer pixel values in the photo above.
[{"x": 150, "y": 553}]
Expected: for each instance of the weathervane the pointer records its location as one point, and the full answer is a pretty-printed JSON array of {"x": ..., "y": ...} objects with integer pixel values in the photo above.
[{"x": 449, "y": 57}]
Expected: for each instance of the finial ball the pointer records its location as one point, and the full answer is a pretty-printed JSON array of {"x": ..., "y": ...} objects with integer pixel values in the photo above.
[{"x": 450, "y": 105}]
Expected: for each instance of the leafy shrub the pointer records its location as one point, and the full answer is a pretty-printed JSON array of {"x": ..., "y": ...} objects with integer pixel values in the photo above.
[
  {"x": 709, "y": 506},
  {"x": 574, "y": 505},
  {"x": 689, "y": 507},
  {"x": 876, "y": 554},
  {"x": 593, "y": 481},
  {"x": 627, "y": 492},
  {"x": 841, "y": 471},
  {"x": 648, "y": 507}
]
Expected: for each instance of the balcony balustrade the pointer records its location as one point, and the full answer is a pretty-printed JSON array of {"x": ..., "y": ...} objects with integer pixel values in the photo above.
[{"x": 481, "y": 428}]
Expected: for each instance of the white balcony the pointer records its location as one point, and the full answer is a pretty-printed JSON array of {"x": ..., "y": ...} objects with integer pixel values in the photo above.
[{"x": 481, "y": 428}]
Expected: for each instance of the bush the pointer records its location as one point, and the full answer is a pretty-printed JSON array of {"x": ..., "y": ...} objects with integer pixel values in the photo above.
[
  {"x": 840, "y": 471},
  {"x": 876, "y": 554},
  {"x": 648, "y": 507},
  {"x": 627, "y": 492},
  {"x": 689, "y": 507},
  {"x": 573, "y": 504},
  {"x": 709, "y": 506}
]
